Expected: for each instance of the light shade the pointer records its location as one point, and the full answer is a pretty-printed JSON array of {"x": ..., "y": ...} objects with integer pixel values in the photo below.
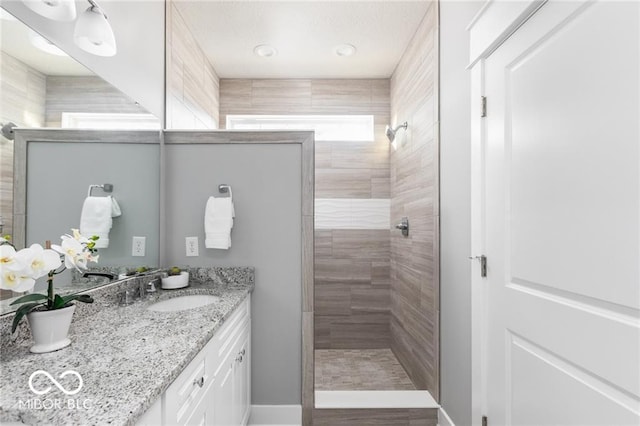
[
  {"x": 94, "y": 34},
  {"x": 58, "y": 10}
]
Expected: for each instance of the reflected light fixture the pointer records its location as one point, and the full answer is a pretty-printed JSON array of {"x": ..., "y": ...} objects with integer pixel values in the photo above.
[
  {"x": 93, "y": 33},
  {"x": 58, "y": 10},
  {"x": 45, "y": 45}
]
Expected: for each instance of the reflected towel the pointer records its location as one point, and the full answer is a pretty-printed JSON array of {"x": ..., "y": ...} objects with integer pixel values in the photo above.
[
  {"x": 218, "y": 221},
  {"x": 95, "y": 218}
]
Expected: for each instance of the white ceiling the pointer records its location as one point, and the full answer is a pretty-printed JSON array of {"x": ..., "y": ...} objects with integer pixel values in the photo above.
[
  {"x": 15, "y": 42},
  {"x": 305, "y": 34}
]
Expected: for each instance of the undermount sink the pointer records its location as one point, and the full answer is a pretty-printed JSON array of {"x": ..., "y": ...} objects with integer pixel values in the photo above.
[{"x": 182, "y": 303}]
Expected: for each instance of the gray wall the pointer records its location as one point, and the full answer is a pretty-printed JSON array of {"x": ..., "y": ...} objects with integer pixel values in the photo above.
[
  {"x": 58, "y": 177},
  {"x": 266, "y": 183},
  {"x": 455, "y": 210}
]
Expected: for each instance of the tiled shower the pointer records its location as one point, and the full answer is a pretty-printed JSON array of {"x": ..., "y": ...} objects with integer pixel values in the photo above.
[{"x": 376, "y": 298}]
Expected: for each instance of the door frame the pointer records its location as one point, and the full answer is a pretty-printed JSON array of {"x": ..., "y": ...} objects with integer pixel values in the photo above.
[{"x": 494, "y": 23}]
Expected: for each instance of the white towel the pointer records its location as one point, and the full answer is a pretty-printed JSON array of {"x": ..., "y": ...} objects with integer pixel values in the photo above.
[
  {"x": 218, "y": 221},
  {"x": 95, "y": 218}
]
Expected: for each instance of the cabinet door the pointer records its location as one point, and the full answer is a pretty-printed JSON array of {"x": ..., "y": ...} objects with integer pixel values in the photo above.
[
  {"x": 242, "y": 381},
  {"x": 223, "y": 393}
]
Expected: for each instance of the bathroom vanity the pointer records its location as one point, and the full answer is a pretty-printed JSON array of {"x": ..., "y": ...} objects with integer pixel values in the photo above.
[
  {"x": 215, "y": 388},
  {"x": 140, "y": 366}
]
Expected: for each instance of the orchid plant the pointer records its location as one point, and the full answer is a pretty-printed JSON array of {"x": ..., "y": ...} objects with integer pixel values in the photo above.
[{"x": 21, "y": 269}]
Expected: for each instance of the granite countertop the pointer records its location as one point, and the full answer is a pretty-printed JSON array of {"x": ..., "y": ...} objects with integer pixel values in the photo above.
[{"x": 127, "y": 356}]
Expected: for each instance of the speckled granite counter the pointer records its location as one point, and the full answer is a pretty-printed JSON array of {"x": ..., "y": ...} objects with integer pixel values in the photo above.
[{"x": 127, "y": 355}]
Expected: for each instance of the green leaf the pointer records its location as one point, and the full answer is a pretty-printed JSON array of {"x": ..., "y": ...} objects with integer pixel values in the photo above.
[
  {"x": 58, "y": 302},
  {"x": 85, "y": 298},
  {"x": 21, "y": 312},
  {"x": 29, "y": 298}
]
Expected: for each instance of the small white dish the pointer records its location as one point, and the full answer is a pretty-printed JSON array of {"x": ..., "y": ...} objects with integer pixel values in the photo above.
[{"x": 176, "y": 281}]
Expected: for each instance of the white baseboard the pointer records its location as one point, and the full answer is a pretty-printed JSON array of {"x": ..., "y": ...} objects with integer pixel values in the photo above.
[
  {"x": 275, "y": 415},
  {"x": 444, "y": 419}
]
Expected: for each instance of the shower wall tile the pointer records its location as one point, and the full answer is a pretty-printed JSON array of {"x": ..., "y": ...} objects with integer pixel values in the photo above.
[
  {"x": 414, "y": 194},
  {"x": 352, "y": 289},
  {"x": 343, "y": 183},
  {"x": 22, "y": 102},
  {"x": 192, "y": 83},
  {"x": 344, "y": 169},
  {"x": 352, "y": 213},
  {"x": 352, "y": 248}
]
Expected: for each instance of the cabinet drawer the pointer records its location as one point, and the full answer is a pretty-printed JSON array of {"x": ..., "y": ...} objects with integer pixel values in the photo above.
[{"x": 222, "y": 342}]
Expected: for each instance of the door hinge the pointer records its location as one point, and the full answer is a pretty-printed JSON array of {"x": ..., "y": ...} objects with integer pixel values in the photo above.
[
  {"x": 483, "y": 264},
  {"x": 485, "y": 421},
  {"x": 483, "y": 110}
]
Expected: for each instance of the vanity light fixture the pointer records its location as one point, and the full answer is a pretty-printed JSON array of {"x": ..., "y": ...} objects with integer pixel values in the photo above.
[
  {"x": 45, "y": 45},
  {"x": 93, "y": 33},
  {"x": 58, "y": 10},
  {"x": 265, "y": 51},
  {"x": 345, "y": 50}
]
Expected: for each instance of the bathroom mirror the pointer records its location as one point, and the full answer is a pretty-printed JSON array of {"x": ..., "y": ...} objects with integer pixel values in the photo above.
[{"x": 41, "y": 89}]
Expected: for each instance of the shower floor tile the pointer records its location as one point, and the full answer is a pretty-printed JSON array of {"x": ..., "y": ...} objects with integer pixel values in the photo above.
[{"x": 359, "y": 369}]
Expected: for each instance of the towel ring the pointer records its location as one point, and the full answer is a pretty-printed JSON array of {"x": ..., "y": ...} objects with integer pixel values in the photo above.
[{"x": 106, "y": 187}]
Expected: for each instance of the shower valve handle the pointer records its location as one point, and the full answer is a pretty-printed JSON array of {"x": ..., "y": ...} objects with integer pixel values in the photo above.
[{"x": 404, "y": 226}]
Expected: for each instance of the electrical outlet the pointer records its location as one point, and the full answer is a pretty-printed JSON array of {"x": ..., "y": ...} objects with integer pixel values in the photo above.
[
  {"x": 139, "y": 246},
  {"x": 192, "y": 246}
]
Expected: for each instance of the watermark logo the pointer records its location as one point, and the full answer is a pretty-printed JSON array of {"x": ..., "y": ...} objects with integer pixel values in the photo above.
[
  {"x": 39, "y": 387},
  {"x": 55, "y": 382}
]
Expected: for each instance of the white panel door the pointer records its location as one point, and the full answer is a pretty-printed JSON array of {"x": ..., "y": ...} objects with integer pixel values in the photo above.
[{"x": 562, "y": 218}]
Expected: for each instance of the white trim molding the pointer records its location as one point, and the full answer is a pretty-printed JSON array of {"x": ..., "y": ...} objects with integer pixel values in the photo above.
[{"x": 495, "y": 22}]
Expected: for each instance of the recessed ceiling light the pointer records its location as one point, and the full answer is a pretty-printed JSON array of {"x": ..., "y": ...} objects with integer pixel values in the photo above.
[
  {"x": 265, "y": 50},
  {"x": 45, "y": 45},
  {"x": 345, "y": 50}
]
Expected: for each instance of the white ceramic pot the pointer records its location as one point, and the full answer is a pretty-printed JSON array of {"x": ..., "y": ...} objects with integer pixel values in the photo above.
[
  {"x": 50, "y": 329},
  {"x": 176, "y": 281}
]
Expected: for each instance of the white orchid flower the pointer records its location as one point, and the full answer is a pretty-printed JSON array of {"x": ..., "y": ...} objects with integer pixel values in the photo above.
[
  {"x": 16, "y": 281},
  {"x": 39, "y": 260},
  {"x": 73, "y": 251},
  {"x": 9, "y": 260},
  {"x": 78, "y": 236}
]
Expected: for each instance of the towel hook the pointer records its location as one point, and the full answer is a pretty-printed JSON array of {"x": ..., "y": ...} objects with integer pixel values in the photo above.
[
  {"x": 106, "y": 187},
  {"x": 224, "y": 188}
]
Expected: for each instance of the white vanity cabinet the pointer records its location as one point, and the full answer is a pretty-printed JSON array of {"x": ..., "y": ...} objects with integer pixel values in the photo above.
[{"x": 215, "y": 388}]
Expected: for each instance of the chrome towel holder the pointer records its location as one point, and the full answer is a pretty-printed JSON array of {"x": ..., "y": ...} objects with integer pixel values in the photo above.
[
  {"x": 223, "y": 188},
  {"x": 106, "y": 187}
]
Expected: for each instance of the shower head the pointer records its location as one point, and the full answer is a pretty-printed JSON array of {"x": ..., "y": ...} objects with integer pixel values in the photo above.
[
  {"x": 7, "y": 130},
  {"x": 391, "y": 132}
]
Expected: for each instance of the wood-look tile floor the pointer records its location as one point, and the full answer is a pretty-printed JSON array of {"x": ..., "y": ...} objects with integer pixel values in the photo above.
[{"x": 359, "y": 369}]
